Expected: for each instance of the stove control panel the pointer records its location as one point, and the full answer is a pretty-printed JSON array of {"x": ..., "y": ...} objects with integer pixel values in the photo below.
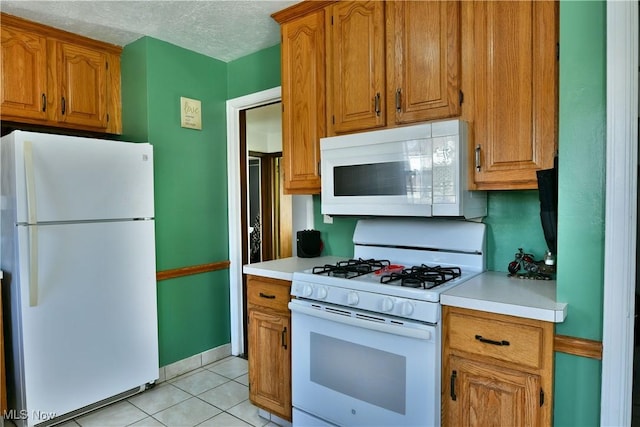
[{"x": 406, "y": 308}]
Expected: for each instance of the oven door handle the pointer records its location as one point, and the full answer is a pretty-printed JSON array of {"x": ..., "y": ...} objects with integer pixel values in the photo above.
[{"x": 416, "y": 333}]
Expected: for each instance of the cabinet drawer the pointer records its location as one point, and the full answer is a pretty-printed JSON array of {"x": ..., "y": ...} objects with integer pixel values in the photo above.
[
  {"x": 498, "y": 338},
  {"x": 271, "y": 293}
]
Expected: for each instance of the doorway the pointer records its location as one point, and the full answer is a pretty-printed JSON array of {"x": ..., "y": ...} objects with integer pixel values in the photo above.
[
  {"x": 268, "y": 208},
  {"x": 302, "y": 209},
  {"x": 236, "y": 110}
]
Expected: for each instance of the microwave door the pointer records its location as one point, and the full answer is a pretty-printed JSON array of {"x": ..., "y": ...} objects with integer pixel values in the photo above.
[{"x": 393, "y": 178}]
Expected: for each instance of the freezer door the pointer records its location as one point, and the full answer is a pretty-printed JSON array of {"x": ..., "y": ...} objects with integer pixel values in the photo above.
[
  {"x": 93, "y": 333},
  {"x": 62, "y": 178}
]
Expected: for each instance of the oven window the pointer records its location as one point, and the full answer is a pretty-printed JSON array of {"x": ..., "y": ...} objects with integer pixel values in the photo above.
[{"x": 364, "y": 373}]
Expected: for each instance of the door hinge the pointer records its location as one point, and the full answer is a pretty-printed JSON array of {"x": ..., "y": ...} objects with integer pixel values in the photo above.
[
  {"x": 541, "y": 397},
  {"x": 558, "y": 51},
  {"x": 461, "y": 97}
]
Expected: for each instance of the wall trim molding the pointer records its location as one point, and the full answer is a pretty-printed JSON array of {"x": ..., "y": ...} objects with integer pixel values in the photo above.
[
  {"x": 578, "y": 346},
  {"x": 193, "y": 269}
]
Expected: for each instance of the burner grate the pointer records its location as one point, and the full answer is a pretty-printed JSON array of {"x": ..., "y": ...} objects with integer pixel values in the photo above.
[
  {"x": 423, "y": 276},
  {"x": 351, "y": 268}
]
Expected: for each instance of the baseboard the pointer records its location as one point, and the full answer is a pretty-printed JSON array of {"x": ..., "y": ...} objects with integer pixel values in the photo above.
[{"x": 191, "y": 363}]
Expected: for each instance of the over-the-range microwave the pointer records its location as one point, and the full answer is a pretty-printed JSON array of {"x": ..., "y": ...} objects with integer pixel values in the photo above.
[{"x": 418, "y": 170}]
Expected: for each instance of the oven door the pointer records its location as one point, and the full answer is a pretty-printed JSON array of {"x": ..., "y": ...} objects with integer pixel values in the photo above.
[{"x": 353, "y": 368}]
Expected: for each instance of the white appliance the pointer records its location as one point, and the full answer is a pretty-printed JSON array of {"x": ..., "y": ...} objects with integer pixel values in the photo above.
[
  {"x": 417, "y": 171},
  {"x": 366, "y": 332},
  {"x": 78, "y": 256}
]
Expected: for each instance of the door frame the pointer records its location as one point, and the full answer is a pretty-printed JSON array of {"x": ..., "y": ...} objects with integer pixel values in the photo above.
[
  {"x": 234, "y": 107},
  {"x": 620, "y": 213}
]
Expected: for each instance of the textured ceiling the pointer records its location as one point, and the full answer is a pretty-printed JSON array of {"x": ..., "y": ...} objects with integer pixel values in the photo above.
[{"x": 221, "y": 29}]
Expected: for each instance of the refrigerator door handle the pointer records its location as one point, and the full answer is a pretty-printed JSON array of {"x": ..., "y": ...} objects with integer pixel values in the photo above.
[{"x": 32, "y": 218}]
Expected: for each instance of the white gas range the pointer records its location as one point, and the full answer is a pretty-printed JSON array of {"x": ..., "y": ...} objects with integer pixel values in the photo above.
[{"x": 366, "y": 337}]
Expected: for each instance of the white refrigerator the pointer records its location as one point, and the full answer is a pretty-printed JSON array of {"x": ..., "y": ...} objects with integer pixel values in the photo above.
[{"x": 79, "y": 285}]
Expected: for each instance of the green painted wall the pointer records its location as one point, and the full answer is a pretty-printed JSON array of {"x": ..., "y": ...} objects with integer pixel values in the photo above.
[
  {"x": 254, "y": 73},
  {"x": 190, "y": 187},
  {"x": 582, "y": 144}
]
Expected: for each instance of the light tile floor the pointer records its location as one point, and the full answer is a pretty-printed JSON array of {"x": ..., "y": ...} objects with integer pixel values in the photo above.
[{"x": 214, "y": 395}]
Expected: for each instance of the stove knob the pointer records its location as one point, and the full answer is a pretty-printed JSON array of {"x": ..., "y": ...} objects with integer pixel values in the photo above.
[
  {"x": 307, "y": 291},
  {"x": 387, "y": 304},
  {"x": 406, "y": 309},
  {"x": 322, "y": 293},
  {"x": 352, "y": 298}
]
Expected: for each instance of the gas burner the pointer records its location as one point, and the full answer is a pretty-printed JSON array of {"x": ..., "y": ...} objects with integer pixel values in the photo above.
[
  {"x": 351, "y": 268},
  {"x": 423, "y": 276}
]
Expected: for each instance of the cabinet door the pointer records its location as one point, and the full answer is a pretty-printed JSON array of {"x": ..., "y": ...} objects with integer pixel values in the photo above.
[
  {"x": 82, "y": 85},
  {"x": 510, "y": 63},
  {"x": 423, "y": 60},
  {"x": 270, "y": 361},
  {"x": 356, "y": 64},
  {"x": 24, "y": 74},
  {"x": 303, "y": 102},
  {"x": 478, "y": 394}
]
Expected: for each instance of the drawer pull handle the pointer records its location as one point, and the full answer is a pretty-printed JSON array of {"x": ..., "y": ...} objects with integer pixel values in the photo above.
[
  {"x": 488, "y": 341},
  {"x": 263, "y": 295}
]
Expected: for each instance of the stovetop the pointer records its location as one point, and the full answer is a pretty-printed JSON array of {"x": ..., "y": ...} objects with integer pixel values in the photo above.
[
  {"x": 409, "y": 263},
  {"x": 417, "y": 282},
  {"x": 421, "y": 276}
]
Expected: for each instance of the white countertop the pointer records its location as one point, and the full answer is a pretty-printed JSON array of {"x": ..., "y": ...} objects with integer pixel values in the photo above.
[
  {"x": 284, "y": 268},
  {"x": 495, "y": 292}
]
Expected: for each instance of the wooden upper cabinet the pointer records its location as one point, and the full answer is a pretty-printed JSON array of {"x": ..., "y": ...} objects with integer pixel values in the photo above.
[
  {"x": 356, "y": 66},
  {"x": 23, "y": 56},
  {"x": 57, "y": 79},
  {"x": 82, "y": 77},
  {"x": 303, "y": 98},
  {"x": 511, "y": 90},
  {"x": 423, "y": 60}
]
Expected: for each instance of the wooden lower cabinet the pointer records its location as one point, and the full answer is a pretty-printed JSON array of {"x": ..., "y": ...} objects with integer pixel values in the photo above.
[
  {"x": 269, "y": 352},
  {"x": 497, "y": 370}
]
